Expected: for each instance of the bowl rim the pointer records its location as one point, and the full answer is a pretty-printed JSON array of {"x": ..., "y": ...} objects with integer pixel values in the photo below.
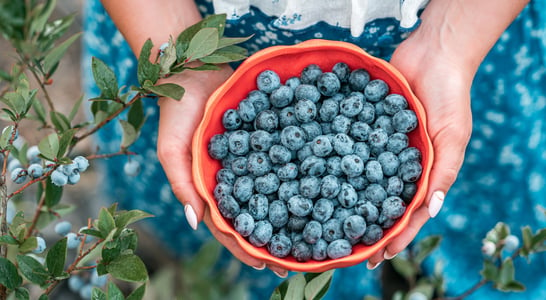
[{"x": 223, "y": 224}]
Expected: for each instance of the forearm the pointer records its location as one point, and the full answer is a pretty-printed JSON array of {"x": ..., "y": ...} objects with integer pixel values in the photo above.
[
  {"x": 139, "y": 20},
  {"x": 466, "y": 30}
]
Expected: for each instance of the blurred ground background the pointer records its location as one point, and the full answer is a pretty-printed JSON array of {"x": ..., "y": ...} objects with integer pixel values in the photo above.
[{"x": 66, "y": 89}]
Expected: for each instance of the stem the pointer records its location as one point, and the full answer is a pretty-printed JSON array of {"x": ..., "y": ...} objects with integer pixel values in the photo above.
[
  {"x": 478, "y": 285},
  {"x": 3, "y": 226},
  {"x": 36, "y": 214},
  {"x": 42, "y": 86},
  {"x": 99, "y": 156}
]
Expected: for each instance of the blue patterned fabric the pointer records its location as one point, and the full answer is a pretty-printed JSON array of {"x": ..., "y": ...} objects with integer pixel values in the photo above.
[{"x": 503, "y": 177}]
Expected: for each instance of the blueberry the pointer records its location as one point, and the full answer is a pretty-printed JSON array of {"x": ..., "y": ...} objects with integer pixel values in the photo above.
[
  {"x": 404, "y": 121},
  {"x": 259, "y": 100},
  {"x": 385, "y": 222},
  {"x": 293, "y": 82},
  {"x": 266, "y": 120},
  {"x": 307, "y": 92},
  {"x": 410, "y": 153},
  {"x": 358, "y": 79},
  {"x": 375, "y": 193},
  {"x": 287, "y": 117},
  {"x": 35, "y": 170},
  {"x": 410, "y": 171},
  {"x": 372, "y": 235},
  {"x": 280, "y": 245},
  {"x": 389, "y": 163},
  {"x": 313, "y": 166},
  {"x": 75, "y": 283},
  {"x": 328, "y": 110},
  {"x": 393, "y": 207},
  {"x": 328, "y": 84},
  {"x": 218, "y": 146},
  {"x": 267, "y": 184},
  {"x": 32, "y": 154},
  {"x": 378, "y": 138},
  {"x": 231, "y": 120},
  {"x": 351, "y": 106},
  {"x": 312, "y": 232},
  {"x": 367, "y": 210},
  {"x": 246, "y": 110},
  {"x": 319, "y": 250},
  {"x": 288, "y": 189},
  {"x": 300, "y": 206},
  {"x": 394, "y": 103},
  {"x": 279, "y": 154},
  {"x": 72, "y": 240},
  {"x": 330, "y": 186},
  {"x": 40, "y": 245},
  {"x": 222, "y": 189},
  {"x": 228, "y": 207},
  {"x": 301, "y": 251},
  {"x": 323, "y": 210},
  {"x": 358, "y": 182},
  {"x": 278, "y": 213},
  {"x": 310, "y": 74},
  {"x": 58, "y": 178},
  {"x": 395, "y": 186},
  {"x": 341, "y": 124},
  {"x": 19, "y": 175},
  {"x": 267, "y": 81},
  {"x": 321, "y": 146},
  {"x": 258, "y": 206},
  {"x": 362, "y": 150},
  {"x": 293, "y": 137},
  {"x": 410, "y": 189},
  {"x": 304, "y": 152},
  {"x": 332, "y": 230},
  {"x": 397, "y": 142},
  {"x": 333, "y": 166},
  {"x": 281, "y": 97},
  {"x": 310, "y": 186},
  {"x": 305, "y": 110},
  {"x": 14, "y": 164},
  {"x": 63, "y": 228},
  {"x": 287, "y": 172},
  {"x": 239, "y": 142},
  {"x": 367, "y": 114},
  {"x": 263, "y": 231},
  {"x": 511, "y": 243},
  {"x": 239, "y": 166},
  {"x": 242, "y": 188},
  {"x": 96, "y": 280},
  {"x": 296, "y": 223},
  {"x": 86, "y": 291},
  {"x": 352, "y": 165},
  {"x": 258, "y": 163},
  {"x": 226, "y": 176},
  {"x": 376, "y": 90},
  {"x": 342, "y": 71},
  {"x": 343, "y": 144},
  {"x": 354, "y": 226},
  {"x": 312, "y": 129},
  {"x": 360, "y": 131},
  {"x": 339, "y": 248},
  {"x": 347, "y": 196},
  {"x": 384, "y": 122}
]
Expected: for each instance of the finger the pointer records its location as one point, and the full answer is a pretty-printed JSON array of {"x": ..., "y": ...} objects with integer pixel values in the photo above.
[
  {"x": 375, "y": 260},
  {"x": 280, "y": 272},
  {"x": 399, "y": 243}
]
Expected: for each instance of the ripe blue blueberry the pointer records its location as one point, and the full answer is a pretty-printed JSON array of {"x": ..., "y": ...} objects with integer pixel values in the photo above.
[
  {"x": 228, "y": 207},
  {"x": 287, "y": 172},
  {"x": 321, "y": 146},
  {"x": 63, "y": 228},
  {"x": 328, "y": 84},
  {"x": 293, "y": 82},
  {"x": 301, "y": 251},
  {"x": 244, "y": 224},
  {"x": 341, "y": 124},
  {"x": 347, "y": 196},
  {"x": 358, "y": 182},
  {"x": 343, "y": 144},
  {"x": 246, "y": 110},
  {"x": 332, "y": 230},
  {"x": 239, "y": 142},
  {"x": 384, "y": 122},
  {"x": 258, "y": 206},
  {"x": 372, "y": 235},
  {"x": 267, "y": 81},
  {"x": 231, "y": 120},
  {"x": 293, "y": 137},
  {"x": 296, "y": 223},
  {"x": 19, "y": 175},
  {"x": 410, "y": 189},
  {"x": 374, "y": 171},
  {"x": 312, "y": 129},
  {"x": 279, "y": 154},
  {"x": 360, "y": 131},
  {"x": 310, "y": 186},
  {"x": 351, "y": 106},
  {"x": 14, "y": 164},
  {"x": 367, "y": 210},
  {"x": 239, "y": 166},
  {"x": 259, "y": 100},
  {"x": 305, "y": 110},
  {"x": 59, "y": 178},
  {"x": 362, "y": 150},
  {"x": 72, "y": 240},
  {"x": 333, "y": 166},
  {"x": 358, "y": 79},
  {"x": 74, "y": 178},
  {"x": 282, "y": 96},
  {"x": 322, "y": 210},
  {"x": 339, "y": 248},
  {"x": 300, "y": 206},
  {"x": 226, "y": 176},
  {"x": 278, "y": 213},
  {"x": 267, "y": 184},
  {"x": 218, "y": 146},
  {"x": 410, "y": 171},
  {"x": 397, "y": 142},
  {"x": 312, "y": 232},
  {"x": 367, "y": 114},
  {"x": 287, "y": 117},
  {"x": 280, "y": 245},
  {"x": 288, "y": 189},
  {"x": 222, "y": 189},
  {"x": 313, "y": 166},
  {"x": 32, "y": 154},
  {"x": 35, "y": 170},
  {"x": 329, "y": 187},
  {"x": 263, "y": 231},
  {"x": 258, "y": 163},
  {"x": 96, "y": 280},
  {"x": 310, "y": 74},
  {"x": 410, "y": 153},
  {"x": 354, "y": 226},
  {"x": 375, "y": 193},
  {"x": 342, "y": 71},
  {"x": 267, "y": 120},
  {"x": 319, "y": 250},
  {"x": 393, "y": 207},
  {"x": 40, "y": 245},
  {"x": 378, "y": 138},
  {"x": 376, "y": 90},
  {"x": 395, "y": 186},
  {"x": 404, "y": 121},
  {"x": 307, "y": 92},
  {"x": 328, "y": 110},
  {"x": 242, "y": 188},
  {"x": 389, "y": 163},
  {"x": 304, "y": 152},
  {"x": 75, "y": 283},
  {"x": 394, "y": 103},
  {"x": 352, "y": 165}
]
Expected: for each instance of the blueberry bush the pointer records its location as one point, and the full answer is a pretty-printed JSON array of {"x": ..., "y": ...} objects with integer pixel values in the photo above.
[{"x": 93, "y": 258}]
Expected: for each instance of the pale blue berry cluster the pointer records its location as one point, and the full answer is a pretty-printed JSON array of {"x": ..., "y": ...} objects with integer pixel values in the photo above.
[
  {"x": 73, "y": 239},
  {"x": 84, "y": 282},
  {"x": 70, "y": 173},
  {"x": 318, "y": 164}
]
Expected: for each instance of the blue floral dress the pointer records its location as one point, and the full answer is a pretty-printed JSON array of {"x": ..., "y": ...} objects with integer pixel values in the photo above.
[{"x": 503, "y": 178}]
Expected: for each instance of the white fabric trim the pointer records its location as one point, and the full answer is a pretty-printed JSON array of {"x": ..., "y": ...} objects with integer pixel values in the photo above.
[{"x": 300, "y": 14}]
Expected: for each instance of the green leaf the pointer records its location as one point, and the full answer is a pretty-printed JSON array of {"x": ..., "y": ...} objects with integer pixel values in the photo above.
[
  {"x": 147, "y": 70},
  {"x": 56, "y": 258},
  {"x": 32, "y": 270},
  {"x": 135, "y": 116},
  {"x": 105, "y": 79},
  {"x": 65, "y": 141},
  {"x": 22, "y": 293},
  {"x": 203, "y": 43},
  {"x": 75, "y": 109},
  {"x": 507, "y": 271},
  {"x": 40, "y": 110},
  {"x": 53, "y": 193},
  {"x": 498, "y": 233},
  {"x": 128, "y": 267},
  {"x": 56, "y": 54},
  {"x": 7, "y": 239},
  {"x": 6, "y": 136},
  {"x": 296, "y": 288},
  {"x": 217, "y": 21},
  {"x": 168, "y": 58},
  {"x": 105, "y": 222},
  {"x": 59, "y": 120},
  {"x": 49, "y": 146},
  {"x": 538, "y": 239},
  {"x": 490, "y": 271},
  {"x": 9, "y": 277},
  {"x": 98, "y": 294},
  {"x": 28, "y": 244},
  {"x": 170, "y": 90},
  {"x": 138, "y": 293},
  {"x": 44, "y": 297},
  {"x": 318, "y": 286},
  {"x": 230, "y": 41},
  {"x": 128, "y": 217},
  {"x": 43, "y": 12},
  {"x": 512, "y": 286},
  {"x": 129, "y": 136},
  {"x": 425, "y": 247},
  {"x": 225, "y": 55},
  {"x": 114, "y": 292}
]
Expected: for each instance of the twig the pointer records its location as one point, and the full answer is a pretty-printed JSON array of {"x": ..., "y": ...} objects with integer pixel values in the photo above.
[
  {"x": 37, "y": 213},
  {"x": 478, "y": 285}
]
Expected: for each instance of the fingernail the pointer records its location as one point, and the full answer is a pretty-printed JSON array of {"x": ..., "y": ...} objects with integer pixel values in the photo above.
[
  {"x": 371, "y": 266},
  {"x": 436, "y": 202},
  {"x": 260, "y": 267},
  {"x": 281, "y": 275},
  {"x": 389, "y": 256},
  {"x": 191, "y": 217}
]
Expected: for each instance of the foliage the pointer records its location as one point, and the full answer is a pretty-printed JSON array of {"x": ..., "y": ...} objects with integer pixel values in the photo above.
[{"x": 107, "y": 244}]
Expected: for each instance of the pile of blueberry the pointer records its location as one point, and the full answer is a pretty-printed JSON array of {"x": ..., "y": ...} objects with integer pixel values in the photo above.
[{"x": 318, "y": 164}]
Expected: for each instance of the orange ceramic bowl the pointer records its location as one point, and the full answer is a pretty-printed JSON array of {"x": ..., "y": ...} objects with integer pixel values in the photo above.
[{"x": 289, "y": 61}]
